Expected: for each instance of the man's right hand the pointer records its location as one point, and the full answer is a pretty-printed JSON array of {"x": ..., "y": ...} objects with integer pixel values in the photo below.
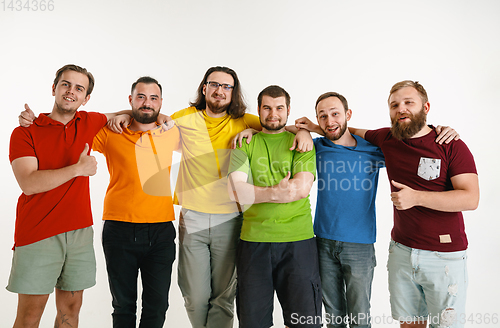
[
  {"x": 238, "y": 139},
  {"x": 115, "y": 123},
  {"x": 27, "y": 117},
  {"x": 307, "y": 124},
  {"x": 87, "y": 165}
]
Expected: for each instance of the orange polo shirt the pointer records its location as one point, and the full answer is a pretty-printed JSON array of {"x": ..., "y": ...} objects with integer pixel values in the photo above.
[{"x": 139, "y": 167}]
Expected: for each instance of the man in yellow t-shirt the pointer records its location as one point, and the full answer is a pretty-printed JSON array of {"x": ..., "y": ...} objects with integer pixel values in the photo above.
[
  {"x": 138, "y": 234},
  {"x": 209, "y": 225}
]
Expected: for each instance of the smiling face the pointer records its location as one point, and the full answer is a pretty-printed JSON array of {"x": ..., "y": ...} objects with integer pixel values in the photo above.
[
  {"x": 218, "y": 99},
  {"x": 146, "y": 102},
  {"x": 408, "y": 113},
  {"x": 332, "y": 117},
  {"x": 70, "y": 92},
  {"x": 273, "y": 114}
]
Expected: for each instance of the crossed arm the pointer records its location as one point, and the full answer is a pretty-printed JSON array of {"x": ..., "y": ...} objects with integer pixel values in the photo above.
[
  {"x": 463, "y": 197},
  {"x": 34, "y": 181},
  {"x": 286, "y": 191}
]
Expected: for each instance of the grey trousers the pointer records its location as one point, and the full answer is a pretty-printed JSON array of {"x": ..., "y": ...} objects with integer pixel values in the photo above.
[{"x": 206, "y": 268}]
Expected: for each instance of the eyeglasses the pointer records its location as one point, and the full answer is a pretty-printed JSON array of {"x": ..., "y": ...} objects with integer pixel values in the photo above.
[{"x": 216, "y": 85}]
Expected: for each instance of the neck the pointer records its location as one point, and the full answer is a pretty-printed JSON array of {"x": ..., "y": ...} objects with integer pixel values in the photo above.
[
  {"x": 61, "y": 116},
  {"x": 425, "y": 130},
  {"x": 212, "y": 114},
  {"x": 264, "y": 130},
  {"x": 136, "y": 126},
  {"x": 347, "y": 140}
]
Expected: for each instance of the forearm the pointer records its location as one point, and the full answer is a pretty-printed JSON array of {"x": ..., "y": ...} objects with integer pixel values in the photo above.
[
  {"x": 358, "y": 132},
  {"x": 448, "y": 201},
  {"x": 111, "y": 115},
  {"x": 44, "y": 180}
]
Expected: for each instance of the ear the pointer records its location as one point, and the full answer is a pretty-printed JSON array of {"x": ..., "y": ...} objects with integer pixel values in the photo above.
[
  {"x": 427, "y": 107},
  {"x": 53, "y": 89},
  {"x": 87, "y": 98},
  {"x": 288, "y": 111},
  {"x": 130, "y": 100},
  {"x": 204, "y": 89},
  {"x": 348, "y": 114}
]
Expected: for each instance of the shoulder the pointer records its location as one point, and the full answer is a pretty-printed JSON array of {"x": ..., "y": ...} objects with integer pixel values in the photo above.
[{"x": 184, "y": 112}]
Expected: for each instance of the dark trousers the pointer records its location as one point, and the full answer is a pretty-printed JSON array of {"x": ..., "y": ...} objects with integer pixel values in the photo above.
[{"x": 130, "y": 248}]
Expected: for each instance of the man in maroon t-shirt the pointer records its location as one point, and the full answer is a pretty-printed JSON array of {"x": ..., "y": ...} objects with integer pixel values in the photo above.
[{"x": 431, "y": 184}]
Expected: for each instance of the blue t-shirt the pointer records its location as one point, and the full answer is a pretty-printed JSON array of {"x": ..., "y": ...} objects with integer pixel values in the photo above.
[{"x": 347, "y": 185}]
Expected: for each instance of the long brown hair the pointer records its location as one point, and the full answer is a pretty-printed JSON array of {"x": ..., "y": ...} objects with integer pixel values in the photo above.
[{"x": 237, "y": 107}]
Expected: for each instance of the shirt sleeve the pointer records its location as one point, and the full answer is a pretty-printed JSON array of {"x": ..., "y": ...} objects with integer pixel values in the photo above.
[
  {"x": 304, "y": 162},
  {"x": 252, "y": 121},
  {"x": 239, "y": 160},
  {"x": 21, "y": 144},
  {"x": 99, "y": 142},
  {"x": 377, "y": 137},
  {"x": 461, "y": 159}
]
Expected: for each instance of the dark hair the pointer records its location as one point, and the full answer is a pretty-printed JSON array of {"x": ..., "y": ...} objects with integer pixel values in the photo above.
[
  {"x": 408, "y": 83},
  {"x": 145, "y": 80},
  {"x": 71, "y": 67},
  {"x": 274, "y": 91},
  {"x": 237, "y": 107},
  {"x": 333, "y": 94}
]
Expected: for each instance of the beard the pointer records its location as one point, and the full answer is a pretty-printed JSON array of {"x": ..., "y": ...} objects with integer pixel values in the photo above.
[
  {"x": 337, "y": 136},
  {"x": 145, "y": 118},
  {"x": 215, "y": 106},
  {"x": 270, "y": 127},
  {"x": 402, "y": 131}
]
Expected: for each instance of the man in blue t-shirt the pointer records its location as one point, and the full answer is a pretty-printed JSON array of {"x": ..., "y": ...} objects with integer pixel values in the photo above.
[{"x": 348, "y": 169}]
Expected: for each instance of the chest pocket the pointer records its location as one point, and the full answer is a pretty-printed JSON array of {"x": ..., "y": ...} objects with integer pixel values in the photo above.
[{"x": 429, "y": 168}]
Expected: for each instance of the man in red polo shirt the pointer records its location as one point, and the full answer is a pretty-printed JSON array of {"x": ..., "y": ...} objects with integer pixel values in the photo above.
[{"x": 53, "y": 233}]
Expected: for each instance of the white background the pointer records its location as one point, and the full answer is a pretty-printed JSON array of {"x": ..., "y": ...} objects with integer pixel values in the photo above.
[{"x": 358, "y": 48}]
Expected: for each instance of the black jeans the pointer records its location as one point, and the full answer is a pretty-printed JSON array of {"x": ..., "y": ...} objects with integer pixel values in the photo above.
[{"x": 130, "y": 248}]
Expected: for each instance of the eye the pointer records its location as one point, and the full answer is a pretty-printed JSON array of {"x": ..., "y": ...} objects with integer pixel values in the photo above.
[
  {"x": 79, "y": 89},
  {"x": 322, "y": 117}
]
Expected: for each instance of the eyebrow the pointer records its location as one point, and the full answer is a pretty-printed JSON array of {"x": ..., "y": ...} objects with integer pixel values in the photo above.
[
  {"x": 142, "y": 94},
  {"x": 78, "y": 85}
]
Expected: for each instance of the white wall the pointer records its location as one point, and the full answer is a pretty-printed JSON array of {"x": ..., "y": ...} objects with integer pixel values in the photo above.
[{"x": 358, "y": 48}]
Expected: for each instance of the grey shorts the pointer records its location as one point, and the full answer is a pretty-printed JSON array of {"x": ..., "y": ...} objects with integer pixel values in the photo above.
[{"x": 65, "y": 261}]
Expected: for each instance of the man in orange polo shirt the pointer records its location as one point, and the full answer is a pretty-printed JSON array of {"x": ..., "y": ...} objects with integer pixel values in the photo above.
[{"x": 138, "y": 234}]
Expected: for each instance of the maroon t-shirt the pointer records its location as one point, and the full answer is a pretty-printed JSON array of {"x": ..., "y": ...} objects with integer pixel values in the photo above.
[{"x": 422, "y": 164}]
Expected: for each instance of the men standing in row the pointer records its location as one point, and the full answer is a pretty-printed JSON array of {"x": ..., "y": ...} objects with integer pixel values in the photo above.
[
  {"x": 345, "y": 224},
  {"x": 431, "y": 185},
  {"x": 138, "y": 234},
  {"x": 54, "y": 236},
  {"x": 277, "y": 250},
  {"x": 210, "y": 223}
]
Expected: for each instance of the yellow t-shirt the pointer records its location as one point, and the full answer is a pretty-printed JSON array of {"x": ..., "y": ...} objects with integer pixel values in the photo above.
[
  {"x": 139, "y": 168},
  {"x": 206, "y": 148}
]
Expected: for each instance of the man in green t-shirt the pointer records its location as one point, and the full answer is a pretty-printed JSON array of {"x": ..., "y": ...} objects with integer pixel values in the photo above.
[{"x": 277, "y": 250}]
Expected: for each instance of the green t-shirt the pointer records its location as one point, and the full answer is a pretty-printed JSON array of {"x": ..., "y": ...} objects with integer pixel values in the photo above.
[{"x": 267, "y": 160}]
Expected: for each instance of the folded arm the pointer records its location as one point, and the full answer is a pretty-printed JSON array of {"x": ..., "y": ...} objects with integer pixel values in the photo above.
[
  {"x": 286, "y": 191},
  {"x": 463, "y": 197},
  {"x": 34, "y": 181}
]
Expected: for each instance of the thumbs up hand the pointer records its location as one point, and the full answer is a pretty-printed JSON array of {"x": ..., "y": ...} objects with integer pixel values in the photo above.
[
  {"x": 405, "y": 198},
  {"x": 87, "y": 164}
]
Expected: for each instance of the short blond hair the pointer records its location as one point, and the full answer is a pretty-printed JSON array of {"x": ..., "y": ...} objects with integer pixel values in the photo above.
[{"x": 413, "y": 84}]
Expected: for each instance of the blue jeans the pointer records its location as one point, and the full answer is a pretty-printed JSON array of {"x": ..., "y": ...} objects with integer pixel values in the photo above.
[
  {"x": 427, "y": 285},
  {"x": 346, "y": 271},
  {"x": 128, "y": 248}
]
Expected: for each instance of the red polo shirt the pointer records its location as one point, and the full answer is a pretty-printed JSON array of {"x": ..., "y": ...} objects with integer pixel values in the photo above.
[{"x": 55, "y": 145}]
